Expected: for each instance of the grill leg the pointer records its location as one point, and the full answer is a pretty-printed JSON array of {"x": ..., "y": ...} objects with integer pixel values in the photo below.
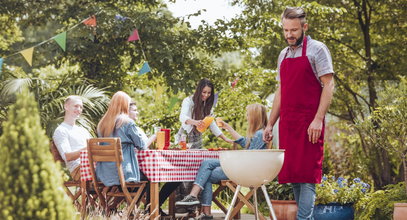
[
  {"x": 256, "y": 210},
  {"x": 273, "y": 214},
  {"x": 233, "y": 202}
]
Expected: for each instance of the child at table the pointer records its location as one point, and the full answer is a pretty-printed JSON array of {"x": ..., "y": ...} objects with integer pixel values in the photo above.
[{"x": 210, "y": 171}]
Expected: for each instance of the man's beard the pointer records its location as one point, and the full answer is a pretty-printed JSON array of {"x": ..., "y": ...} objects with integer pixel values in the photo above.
[{"x": 299, "y": 40}]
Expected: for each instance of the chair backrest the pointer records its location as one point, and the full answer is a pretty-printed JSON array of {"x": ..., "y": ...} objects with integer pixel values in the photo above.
[
  {"x": 55, "y": 153},
  {"x": 106, "y": 150}
]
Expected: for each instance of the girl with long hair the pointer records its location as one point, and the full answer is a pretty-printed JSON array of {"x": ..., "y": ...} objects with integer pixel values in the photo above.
[
  {"x": 194, "y": 109},
  {"x": 211, "y": 172},
  {"x": 118, "y": 121}
]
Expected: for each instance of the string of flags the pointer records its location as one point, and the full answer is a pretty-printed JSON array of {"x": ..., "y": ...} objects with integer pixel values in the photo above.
[
  {"x": 91, "y": 21},
  {"x": 60, "y": 39}
]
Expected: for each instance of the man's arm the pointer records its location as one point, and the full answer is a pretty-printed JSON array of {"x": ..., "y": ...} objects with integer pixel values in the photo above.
[
  {"x": 274, "y": 115},
  {"x": 74, "y": 154},
  {"x": 315, "y": 128}
]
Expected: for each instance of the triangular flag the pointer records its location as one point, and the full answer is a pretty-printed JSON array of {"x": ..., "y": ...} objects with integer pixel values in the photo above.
[
  {"x": 215, "y": 99},
  {"x": 28, "y": 55},
  {"x": 159, "y": 91},
  {"x": 61, "y": 40},
  {"x": 173, "y": 101},
  {"x": 144, "y": 69},
  {"x": 235, "y": 82},
  {"x": 1, "y": 64},
  {"x": 134, "y": 36},
  {"x": 90, "y": 21}
]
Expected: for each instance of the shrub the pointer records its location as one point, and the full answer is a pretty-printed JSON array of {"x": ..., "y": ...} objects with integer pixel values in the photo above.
[
  {"x": 30, "y": 181},
  {"x": 380, "y": 204},
  {"x": 340, "y": 190}
]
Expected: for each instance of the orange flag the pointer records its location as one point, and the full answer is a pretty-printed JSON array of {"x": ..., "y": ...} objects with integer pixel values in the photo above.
[{"x": 91, "y": 21}]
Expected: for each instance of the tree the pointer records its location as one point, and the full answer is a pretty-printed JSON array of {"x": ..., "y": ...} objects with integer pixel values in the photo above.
[
  {"x": 365, "y": 38},
  {"x": 30, "y": 181}
]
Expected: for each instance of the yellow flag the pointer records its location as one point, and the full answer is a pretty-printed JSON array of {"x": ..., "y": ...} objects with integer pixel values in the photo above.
[
  {"x": 158, "y": 93},
  {"x": 28, "y": 55}
]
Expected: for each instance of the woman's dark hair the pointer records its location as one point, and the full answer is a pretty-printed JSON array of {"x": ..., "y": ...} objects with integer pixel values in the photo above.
[{"x": 201, "y": 108}]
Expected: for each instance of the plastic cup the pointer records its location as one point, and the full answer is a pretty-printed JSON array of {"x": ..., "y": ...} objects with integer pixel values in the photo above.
[{"x": 219, "y": 122}]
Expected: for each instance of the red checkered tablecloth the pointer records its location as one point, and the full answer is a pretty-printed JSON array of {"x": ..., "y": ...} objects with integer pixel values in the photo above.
[{"x": 162, "y": 165}]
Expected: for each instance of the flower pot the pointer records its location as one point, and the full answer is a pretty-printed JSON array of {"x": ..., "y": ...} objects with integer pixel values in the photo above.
[
  {"x": 334, "y": 211},
  {"x": 400, "y": 211},
  {"x": 285, "y": 209}
]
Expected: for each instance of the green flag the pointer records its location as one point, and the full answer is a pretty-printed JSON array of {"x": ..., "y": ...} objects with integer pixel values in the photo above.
[{"x": 61, "y": 40}]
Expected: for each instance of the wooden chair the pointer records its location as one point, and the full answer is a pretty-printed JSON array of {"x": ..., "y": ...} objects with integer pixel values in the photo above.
[
  {"x": 74, "y": 195},
  {"x": 110, "y": 150}
]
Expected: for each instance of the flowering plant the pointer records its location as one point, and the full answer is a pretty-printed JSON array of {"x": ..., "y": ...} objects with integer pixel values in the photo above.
[{"x": 340, "y": 190}]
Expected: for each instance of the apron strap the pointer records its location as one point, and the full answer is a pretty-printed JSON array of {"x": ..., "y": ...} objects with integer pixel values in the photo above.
[{"x": 304, "y": 46}]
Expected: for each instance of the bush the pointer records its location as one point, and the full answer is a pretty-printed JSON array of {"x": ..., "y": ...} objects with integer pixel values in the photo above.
[
  {"x": 380, "y": 204},
  {"x": 340, "y": 190},
  {"x": 30, "y": 181}
]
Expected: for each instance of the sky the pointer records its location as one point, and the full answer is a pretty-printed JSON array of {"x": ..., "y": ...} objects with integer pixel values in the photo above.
[{"x": 215, "y": 9}]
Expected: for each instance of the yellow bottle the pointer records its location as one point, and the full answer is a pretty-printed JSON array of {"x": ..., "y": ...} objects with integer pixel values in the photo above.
[{"x": 207, "y": 121}]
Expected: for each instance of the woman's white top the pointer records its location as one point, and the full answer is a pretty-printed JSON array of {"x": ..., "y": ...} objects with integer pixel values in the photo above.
[{"x": 186, "y": 113}]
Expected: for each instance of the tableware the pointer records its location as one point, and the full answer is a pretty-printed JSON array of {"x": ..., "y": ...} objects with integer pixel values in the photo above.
[
  {"x": 167, "y": 137},
  {"x": 219, "y": 122}
]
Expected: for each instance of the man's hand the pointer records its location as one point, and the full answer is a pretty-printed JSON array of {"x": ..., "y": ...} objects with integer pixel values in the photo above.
[
  {"x": 268, "y": 134},
  {"x": 314, "y": 130}
]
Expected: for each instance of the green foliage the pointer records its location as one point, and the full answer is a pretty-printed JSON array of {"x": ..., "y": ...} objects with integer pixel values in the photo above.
[
  {"x": 30, "y": 182},
  {"x": 50, "y": 86},
  {"x": 280, "y": 191},
  {"x": 380, "y": 204},
  {"x": 340, "y": 190}
]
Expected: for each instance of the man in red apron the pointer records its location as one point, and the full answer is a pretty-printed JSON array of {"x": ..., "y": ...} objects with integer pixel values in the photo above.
[{"x": 301, "y": 102}]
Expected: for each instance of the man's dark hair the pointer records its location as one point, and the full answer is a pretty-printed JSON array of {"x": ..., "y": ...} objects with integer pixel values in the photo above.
[{"x": 294, "y": 12}]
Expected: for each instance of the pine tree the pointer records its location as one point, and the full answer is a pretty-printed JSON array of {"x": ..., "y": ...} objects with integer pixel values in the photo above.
[{"x": 30, "y": 181}]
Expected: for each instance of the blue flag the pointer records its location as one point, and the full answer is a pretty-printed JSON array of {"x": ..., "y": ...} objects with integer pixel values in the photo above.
[
  {"x": 144, "y": 69},
  {"x": 215, "y": 100},
  {"x": 1, "y": 64}
]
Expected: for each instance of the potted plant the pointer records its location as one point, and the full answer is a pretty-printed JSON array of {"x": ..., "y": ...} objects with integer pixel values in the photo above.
[
  {"x": 336, "y": 197},
  {"x": 282, "y": 199}
]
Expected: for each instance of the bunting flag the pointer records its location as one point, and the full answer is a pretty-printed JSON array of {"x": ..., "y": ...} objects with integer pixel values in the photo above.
[
  {"x": 120, "y": 18},
  {"x": 173, "y": 101},
  {"x": 159, "y": 91},
  {"x": 1, "y": 64},
  {"x": 28, "y": 55},
  {"x": 134, "y": 36},
  {"x": 61, "y": 40},
  {"x": 215, "y": 99},
  {"x": 235, "y": 82},
  {"x": 144, "y": 69},
  {"x": 90, "y": 21}
]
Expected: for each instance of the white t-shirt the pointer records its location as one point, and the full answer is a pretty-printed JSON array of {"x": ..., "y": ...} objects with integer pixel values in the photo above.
[{"x": 68, "y": 139}]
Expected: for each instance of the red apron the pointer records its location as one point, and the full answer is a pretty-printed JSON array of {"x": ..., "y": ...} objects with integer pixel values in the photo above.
[{"x": 300, "y": 97}]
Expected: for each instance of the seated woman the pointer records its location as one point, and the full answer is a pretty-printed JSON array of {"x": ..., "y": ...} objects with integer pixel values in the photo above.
[
  {"x": 117, "y": 123},
  {"x": 210, "y": 171}
]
